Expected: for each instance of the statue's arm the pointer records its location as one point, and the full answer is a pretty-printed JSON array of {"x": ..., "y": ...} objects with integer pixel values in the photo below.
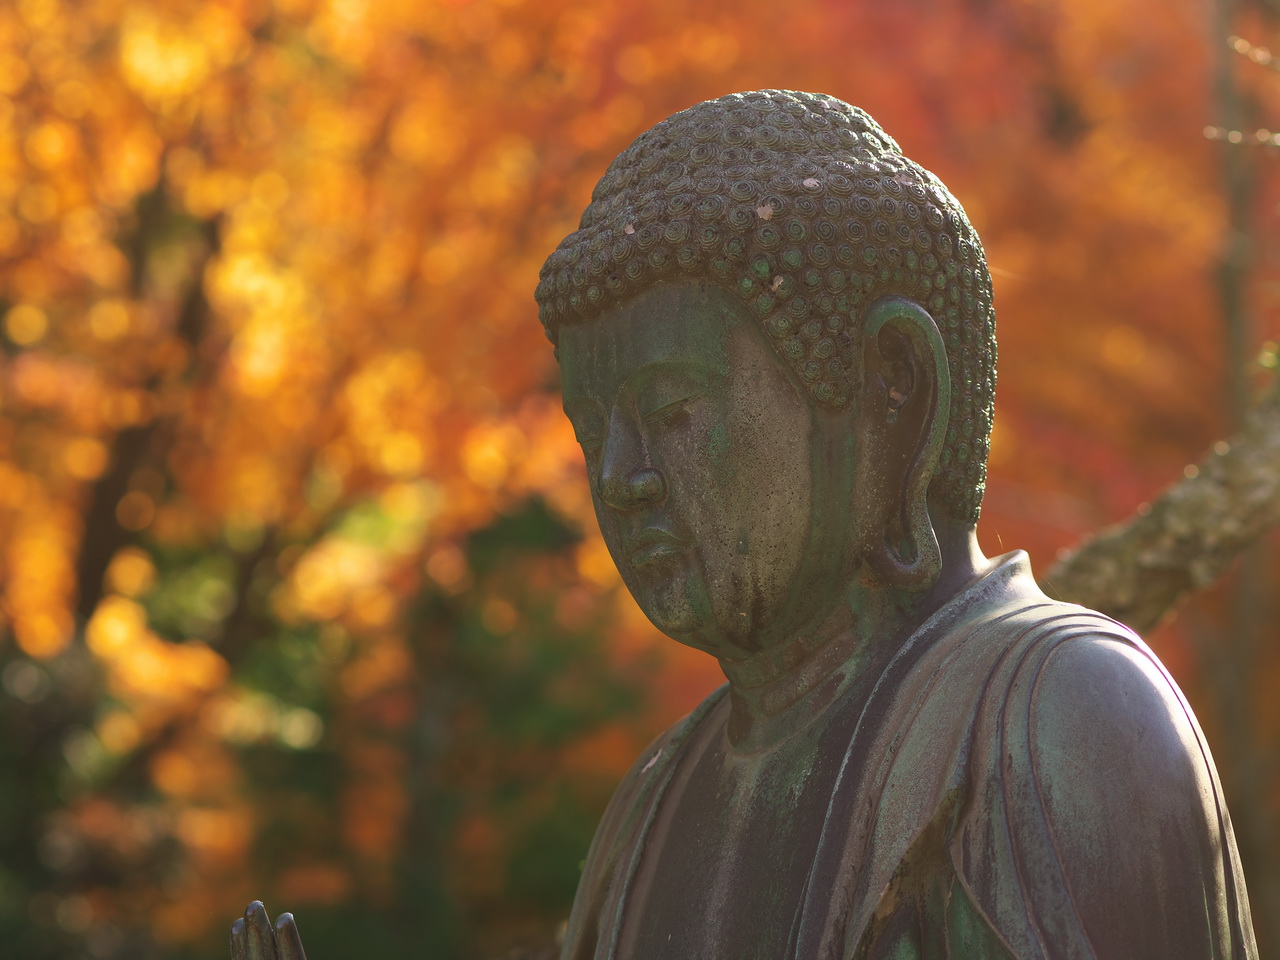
[
  {"x": 254, "y": 938},
  {"x": 1119, "y": 806},
  {"x": 622, "y": 831},
  {"x": 610, "y": 846}
]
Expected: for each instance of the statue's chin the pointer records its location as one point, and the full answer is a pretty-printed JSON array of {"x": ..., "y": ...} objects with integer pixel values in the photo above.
[
  {"x": 682, "y": 620},
  {"x": 676, "y": 597},
  {"x": 673, "y": 615},
  {"x": 667, "y": 598}
]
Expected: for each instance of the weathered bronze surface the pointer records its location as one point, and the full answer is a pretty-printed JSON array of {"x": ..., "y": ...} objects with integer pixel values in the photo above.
[{"x": 777, "y": 347}]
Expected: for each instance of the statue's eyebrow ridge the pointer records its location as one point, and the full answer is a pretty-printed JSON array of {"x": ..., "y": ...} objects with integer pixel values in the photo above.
[{"x": 703, "y": 373}]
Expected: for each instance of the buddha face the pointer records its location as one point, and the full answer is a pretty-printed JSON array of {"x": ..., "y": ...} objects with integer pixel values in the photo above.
[{"x": 701, "y": 457}]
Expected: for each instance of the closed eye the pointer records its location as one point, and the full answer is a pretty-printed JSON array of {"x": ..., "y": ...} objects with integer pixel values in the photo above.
[
  {"x": 590, "y": 440},
  {"x": 587, "y": 420},
  {"x": 668, "y": 410}
]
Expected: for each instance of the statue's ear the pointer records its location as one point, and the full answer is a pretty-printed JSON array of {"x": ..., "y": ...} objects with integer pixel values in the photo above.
[{"x": 906, "y": 403}]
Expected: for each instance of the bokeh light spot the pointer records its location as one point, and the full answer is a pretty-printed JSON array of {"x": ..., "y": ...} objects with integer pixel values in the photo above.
[
  {"x": 50, "y": 145},
  {"x": 109, "y": 319},
  {"x": 136, "y": 510},
  {"x": 637, "y": 64},
  {"x": 131, "y": 572},
  {"x": 38, "y": 203},
  {"x": 401, "y": 454},
  {"x": 1124, "y": 347},
  {"x": 26, "y": 324},
  {"x": 118, "y": 732},
  {"x": 26, "y": 681},
  {"x": 447, "y": 566},
  {"x": 43, "y": 634},
  {"x": 300, "y": 729},
  {"x": 85, "y": 458}
]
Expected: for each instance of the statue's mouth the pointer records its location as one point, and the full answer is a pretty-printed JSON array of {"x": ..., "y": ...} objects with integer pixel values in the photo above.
[{"x": 653, "y": 545}]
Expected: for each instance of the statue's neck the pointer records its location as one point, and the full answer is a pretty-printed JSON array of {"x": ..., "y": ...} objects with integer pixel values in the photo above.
[{"x": 780, "y": 690}]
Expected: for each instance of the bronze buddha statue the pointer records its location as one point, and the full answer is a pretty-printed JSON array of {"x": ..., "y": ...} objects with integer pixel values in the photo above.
[{"x": 776, "y": 341}]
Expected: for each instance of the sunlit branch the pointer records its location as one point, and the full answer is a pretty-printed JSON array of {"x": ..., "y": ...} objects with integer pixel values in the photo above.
[
  {"x": 1259, "y": 55},
  {"x": 1138, "y": 570},
  {"x": 1259, "y": 138}
]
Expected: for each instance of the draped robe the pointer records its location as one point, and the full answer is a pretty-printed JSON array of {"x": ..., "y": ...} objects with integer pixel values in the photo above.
[{"x": 1023, "y": 780}]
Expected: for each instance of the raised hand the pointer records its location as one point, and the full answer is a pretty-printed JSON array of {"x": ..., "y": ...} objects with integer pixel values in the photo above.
[{"x": 253, "y": 939}]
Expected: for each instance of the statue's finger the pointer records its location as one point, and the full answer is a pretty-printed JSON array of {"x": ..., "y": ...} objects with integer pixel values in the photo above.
[
  {"x": 287, "y": 940},
  {"x": 238, "y": 951},
  {"x": 261, "y": 940}
]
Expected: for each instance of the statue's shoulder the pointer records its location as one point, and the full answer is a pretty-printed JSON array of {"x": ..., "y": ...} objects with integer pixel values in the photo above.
[
  {"x": 1083, "y": 703},
  {"x": 1106, "y": 732},
  {"x": 1083, "y": 683},
  {"x": 1088, "y": 765}
]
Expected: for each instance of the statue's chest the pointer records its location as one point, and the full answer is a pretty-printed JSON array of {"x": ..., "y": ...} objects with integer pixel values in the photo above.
[{"x": 725, "y": 863}]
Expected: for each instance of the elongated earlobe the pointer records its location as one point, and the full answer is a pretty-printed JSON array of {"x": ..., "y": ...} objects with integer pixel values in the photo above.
[{"x": 907, "y": 555}]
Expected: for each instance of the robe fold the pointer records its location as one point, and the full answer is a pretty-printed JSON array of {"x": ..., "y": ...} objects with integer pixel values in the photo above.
[{"x": 1024, "y": 780}]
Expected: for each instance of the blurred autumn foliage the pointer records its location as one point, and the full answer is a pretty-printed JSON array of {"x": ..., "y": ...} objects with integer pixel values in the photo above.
[{"x": 300, "y": 592}]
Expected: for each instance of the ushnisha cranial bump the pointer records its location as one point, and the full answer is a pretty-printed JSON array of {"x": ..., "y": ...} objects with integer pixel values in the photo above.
[{"x": 805, "y": 209}]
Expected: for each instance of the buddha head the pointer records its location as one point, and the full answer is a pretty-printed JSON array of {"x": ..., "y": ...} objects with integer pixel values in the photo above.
[{"x": 777, "y": 345}]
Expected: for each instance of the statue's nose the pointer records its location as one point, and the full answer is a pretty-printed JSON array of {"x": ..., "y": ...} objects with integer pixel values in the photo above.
[{"x": 641, "y": 487}]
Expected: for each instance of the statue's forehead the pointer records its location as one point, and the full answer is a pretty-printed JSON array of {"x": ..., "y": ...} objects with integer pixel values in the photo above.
[{"x": 669, "y": 325}]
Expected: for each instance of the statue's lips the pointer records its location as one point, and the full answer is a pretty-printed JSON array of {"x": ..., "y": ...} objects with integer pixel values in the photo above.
[{"x": 652, "y": 545}]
